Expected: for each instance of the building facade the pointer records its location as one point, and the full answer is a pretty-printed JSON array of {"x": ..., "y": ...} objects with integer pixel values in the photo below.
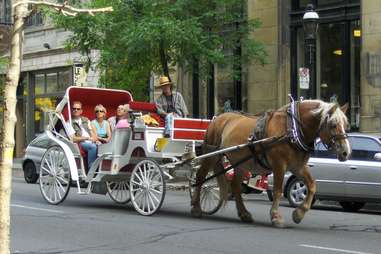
[
  {"x": 348, "y": 61},
  {"x": 47, "y": 70}
]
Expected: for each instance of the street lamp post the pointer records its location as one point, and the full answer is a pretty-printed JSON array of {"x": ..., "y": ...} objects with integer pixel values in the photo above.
[{"x": 310, "y": 25}]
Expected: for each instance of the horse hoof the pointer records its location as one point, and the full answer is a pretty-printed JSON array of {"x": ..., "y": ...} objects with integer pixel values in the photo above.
[
  {"x": 297, "y": 216},
  {"x": 246, "y": 218},
  {"x": 196, "y": 212},
  {"x": 278, "y": 223}
]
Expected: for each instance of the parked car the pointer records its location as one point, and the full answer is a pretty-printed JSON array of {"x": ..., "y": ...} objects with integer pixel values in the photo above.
[
  {"x": 352, "y": 183},
  {"x": 33, "y": 156}
]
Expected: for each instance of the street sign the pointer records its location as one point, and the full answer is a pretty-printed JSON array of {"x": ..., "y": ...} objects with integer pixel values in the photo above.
[{"x": 304, "y": 78}]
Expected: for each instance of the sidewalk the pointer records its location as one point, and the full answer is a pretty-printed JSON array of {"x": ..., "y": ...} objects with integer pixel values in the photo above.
[{"x": 17, "y": 163}]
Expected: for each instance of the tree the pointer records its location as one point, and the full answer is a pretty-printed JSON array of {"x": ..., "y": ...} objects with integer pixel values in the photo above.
[
  {"x": 144, "y": 36},
  {"x": 20, "y": 12}
]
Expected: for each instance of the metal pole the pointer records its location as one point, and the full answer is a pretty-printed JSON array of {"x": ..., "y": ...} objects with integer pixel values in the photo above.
[{"x": 310, "y": 56}]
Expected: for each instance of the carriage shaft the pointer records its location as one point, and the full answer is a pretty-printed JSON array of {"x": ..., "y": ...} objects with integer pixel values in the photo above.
[{"x": 230, "y": 149}]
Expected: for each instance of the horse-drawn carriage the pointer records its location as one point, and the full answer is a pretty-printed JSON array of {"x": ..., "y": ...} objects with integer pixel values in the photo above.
[
  {"x": 134, "y": 165},
  {"x": 138, "y": 161}
]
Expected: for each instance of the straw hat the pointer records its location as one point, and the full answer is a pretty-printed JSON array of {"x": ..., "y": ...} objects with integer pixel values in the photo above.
[{"x": 163, "y": 81}]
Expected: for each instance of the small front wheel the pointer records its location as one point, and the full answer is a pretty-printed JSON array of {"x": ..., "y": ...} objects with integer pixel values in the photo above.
[
  {"x": 54, "y": 175},
  {"x": 147, "y": 187},
  {"x": 210, "y": 195},
  {"x": 119, "y": 191}
]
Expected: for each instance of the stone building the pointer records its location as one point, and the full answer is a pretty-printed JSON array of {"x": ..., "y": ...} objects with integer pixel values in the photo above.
[
  {"x": 348, "y": 61},
  {"x": 47, "y": 70},
  {"x": 348, "y": 65}
]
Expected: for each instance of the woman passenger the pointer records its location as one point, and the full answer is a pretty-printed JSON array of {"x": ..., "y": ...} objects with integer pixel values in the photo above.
[
  {"x": 121, "y": 113},
  {"x": 100, "y": 125}
]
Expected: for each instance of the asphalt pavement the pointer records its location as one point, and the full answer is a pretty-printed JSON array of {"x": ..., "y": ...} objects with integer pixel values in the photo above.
[{"x": 94, "y": 224}]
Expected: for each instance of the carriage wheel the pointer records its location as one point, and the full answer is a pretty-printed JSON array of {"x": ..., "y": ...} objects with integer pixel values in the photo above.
[
  {"x": 119, "y": 191},
  {"x": 54, "y": 175},
  {"x": 210, "y": 196},
  {"x": 147, "y": 187}
]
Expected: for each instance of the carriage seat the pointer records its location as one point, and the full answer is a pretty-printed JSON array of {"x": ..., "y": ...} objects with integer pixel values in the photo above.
[{"x": 147, "y": 108}]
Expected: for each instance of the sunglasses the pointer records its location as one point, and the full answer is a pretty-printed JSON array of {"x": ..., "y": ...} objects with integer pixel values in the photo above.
[
  {"x": 77, "y": 109},
  {"x": 97, "y": 111}
]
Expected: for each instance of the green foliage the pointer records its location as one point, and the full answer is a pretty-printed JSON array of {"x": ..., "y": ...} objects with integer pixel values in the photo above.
[{"x": 144, "y": 36}]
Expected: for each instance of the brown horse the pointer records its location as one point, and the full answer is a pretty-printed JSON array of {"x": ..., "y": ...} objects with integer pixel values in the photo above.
[{"x": 295, "y": 126}]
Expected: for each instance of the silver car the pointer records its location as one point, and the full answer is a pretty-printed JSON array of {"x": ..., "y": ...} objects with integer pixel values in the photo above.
[
  {"x": 352, "y": 183},
  {"x": 33, "y": 156}
]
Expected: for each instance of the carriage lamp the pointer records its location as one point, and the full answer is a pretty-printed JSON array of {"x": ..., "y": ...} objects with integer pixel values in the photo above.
[{"x": 310, "y": 25}]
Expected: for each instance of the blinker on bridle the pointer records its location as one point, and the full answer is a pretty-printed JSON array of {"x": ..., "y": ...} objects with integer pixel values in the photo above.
[{"x": 333, "y": 137}]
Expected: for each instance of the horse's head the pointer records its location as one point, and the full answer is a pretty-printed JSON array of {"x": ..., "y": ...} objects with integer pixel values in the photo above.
[{"x": 333, "y": 123}]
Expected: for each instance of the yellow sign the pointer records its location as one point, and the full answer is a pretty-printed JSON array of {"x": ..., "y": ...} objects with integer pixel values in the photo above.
[
  {"x": 160, "y": 144},
  {"x": 357, "y": 33},
  {"x": 338, "y": 52}
]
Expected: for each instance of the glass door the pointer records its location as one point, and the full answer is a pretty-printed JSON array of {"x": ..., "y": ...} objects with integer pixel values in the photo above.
[{"x": 331, "y": 63}]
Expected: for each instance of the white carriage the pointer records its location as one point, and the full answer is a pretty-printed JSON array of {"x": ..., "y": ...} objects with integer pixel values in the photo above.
[{"x": 134, "y": 165}]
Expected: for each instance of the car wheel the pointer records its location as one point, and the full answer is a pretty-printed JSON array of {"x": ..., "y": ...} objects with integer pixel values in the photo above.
[
  {"x": 296, "y": 192},
  {"x": 270, "y": 195},
  {"x": 30, "y": 174},
  {"x": 351, "y": 206}
]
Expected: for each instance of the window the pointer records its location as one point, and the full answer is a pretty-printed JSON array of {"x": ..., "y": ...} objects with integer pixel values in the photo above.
[
  {"x": 5, "y": 12},
  {"x": 364, "y": 148},
  {"x": 322, "y": 152},
  {"x": 49, "y": 88},
  {"x": 36, "y": 19}
]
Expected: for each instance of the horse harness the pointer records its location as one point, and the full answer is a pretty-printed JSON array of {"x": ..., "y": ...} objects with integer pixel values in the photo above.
[{"x": 294, "y": 135}]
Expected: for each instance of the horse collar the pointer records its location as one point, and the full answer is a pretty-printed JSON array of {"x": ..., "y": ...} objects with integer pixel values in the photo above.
[{"x": 295, "y": 132}]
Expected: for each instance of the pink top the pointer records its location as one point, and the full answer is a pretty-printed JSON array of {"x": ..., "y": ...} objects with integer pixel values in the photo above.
[{"x": 123, "y": 123}]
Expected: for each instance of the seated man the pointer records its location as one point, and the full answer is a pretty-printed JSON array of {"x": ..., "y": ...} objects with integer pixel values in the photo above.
[
  {"x": 80, "y": 131},
  {"x": 169, "y": 104}
]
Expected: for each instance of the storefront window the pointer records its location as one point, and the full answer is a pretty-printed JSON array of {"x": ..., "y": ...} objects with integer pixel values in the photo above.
[
  {"x": 49, "y": 90},
  {"x": 43, "y": 105},
  {"x": 225, "y": 89},
  {"x": 64, "y": 80},
  {"x": 51, "y": 83},
  {"x": 39, "y": 85}
]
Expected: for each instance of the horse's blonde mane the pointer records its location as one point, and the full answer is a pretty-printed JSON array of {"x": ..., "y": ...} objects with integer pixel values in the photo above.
[{"x": 338, "y": 116}]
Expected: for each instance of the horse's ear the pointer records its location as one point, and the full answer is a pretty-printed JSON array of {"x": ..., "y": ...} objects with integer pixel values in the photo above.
[
  {"x": 345, "y": 107},
  {"x": 332, "y": 109}
]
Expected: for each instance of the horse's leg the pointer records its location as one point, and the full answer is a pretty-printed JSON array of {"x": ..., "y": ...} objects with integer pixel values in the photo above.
[
  {"x": 243, "y": 213},
  {"x": 200, "y": 176},
  {"x": 275, "y": 216},
  {"x": 300, "y": 211}
]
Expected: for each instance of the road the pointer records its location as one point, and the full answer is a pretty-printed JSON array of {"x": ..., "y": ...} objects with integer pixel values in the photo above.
[{"x": 94, "y": 224}]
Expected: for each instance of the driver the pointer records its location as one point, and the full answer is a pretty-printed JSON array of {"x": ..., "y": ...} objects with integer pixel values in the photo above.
[{"x": 169, "y": 104}]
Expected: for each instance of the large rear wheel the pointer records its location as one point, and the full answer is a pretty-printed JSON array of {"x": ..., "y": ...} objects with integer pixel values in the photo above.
[
  {"x": 210, "y": 196},
  {"x": 147, "y": 187},
  {"x": 54, "y": 175}
]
